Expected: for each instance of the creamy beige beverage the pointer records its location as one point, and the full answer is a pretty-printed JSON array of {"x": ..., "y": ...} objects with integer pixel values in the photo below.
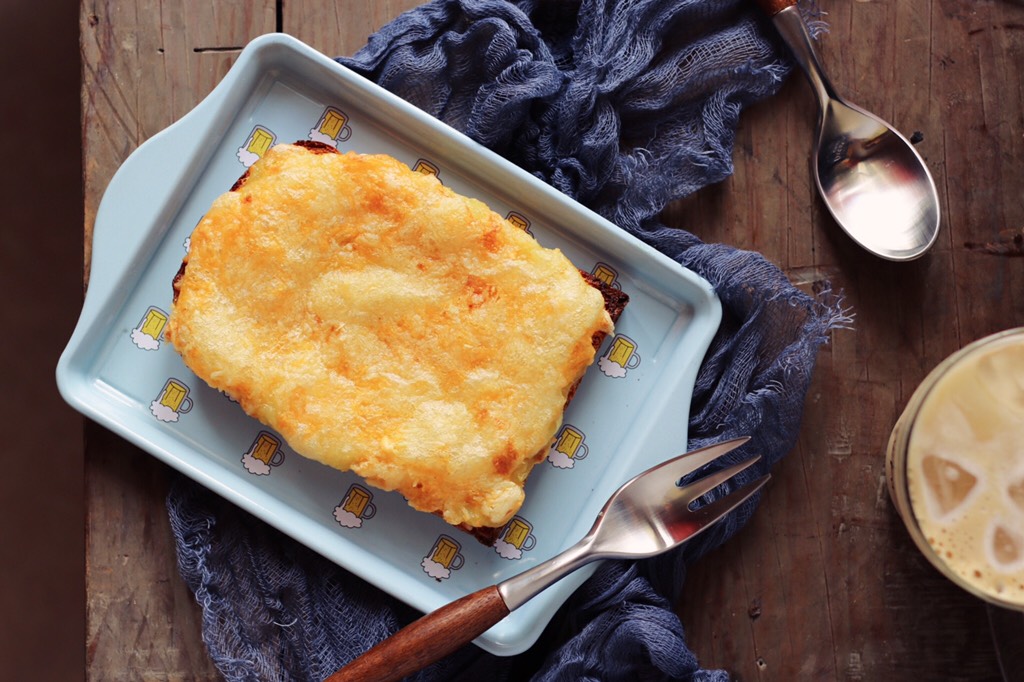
[{"x": 956, "y": 468}]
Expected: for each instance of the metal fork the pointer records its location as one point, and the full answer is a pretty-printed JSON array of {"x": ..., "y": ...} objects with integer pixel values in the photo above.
[{"x": 648, "y": 515}]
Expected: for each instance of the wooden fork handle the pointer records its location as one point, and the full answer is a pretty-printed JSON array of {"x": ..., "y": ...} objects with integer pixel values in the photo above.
[
  {"x": 773, "y": 7},
  {"x": 428, "y": 639}
]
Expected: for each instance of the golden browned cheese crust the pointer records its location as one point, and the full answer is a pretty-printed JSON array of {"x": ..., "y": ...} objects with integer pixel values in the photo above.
[{"x": 384, "y": 324}]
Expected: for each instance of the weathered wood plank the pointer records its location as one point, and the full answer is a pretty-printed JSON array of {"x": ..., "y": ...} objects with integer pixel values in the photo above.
[
  {"x": 841, "y": 591},
  {"x": 340, "y": 28},
  {"x": 145, "y": 64}
]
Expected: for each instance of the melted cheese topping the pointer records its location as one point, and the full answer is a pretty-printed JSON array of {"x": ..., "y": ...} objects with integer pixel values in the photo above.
[{"x": 384, "y": 324}]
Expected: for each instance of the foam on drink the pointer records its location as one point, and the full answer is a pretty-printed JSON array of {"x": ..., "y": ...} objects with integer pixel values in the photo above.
[{"x": 965, "y": 468}]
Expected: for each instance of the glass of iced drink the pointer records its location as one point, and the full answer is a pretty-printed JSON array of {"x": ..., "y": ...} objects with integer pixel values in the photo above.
[{"x": 955, "y": 468}]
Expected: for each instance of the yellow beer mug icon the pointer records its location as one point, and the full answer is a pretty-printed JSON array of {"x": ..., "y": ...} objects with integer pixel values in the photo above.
[
  {"x": 516, "y": 537},
  {"x": 519, "y": 534},
  {"x": 150, "y": 329},
  {"x": 444, "y": 558},
  {"x": 570, "y": 443},
  {"x": 260, "y": 140},
  {"x": 153, "y": 322},
  {"x": 427, "y": 168},
  {"x": 623, "y": 352},
  {"x": 172, "y": 401},
  {"x": 621, "y": 356},
  {"x": 355, "y": 507},
  {"x": 264, "y": 453},
  {"x": 606, "y": 274},
  {"x": 357, "y": 502},
  {"x": 520, "y": 221},
  {"x": 332, "y": 127},
  {"x": 568, "y": 447},
  {"x": 267, "y": 449},
  {"x": 256, "y": 145},
  {"x": 446, "y": 553},
  {"x": 175, "y": 396}
]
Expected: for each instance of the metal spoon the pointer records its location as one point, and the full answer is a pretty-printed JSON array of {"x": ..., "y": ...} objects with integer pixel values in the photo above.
[
  {"x": 648, "y": 515},
  {"x": 871, "y": 178}
]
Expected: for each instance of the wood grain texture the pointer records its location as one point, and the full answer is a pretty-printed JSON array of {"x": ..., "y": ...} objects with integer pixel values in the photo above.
[
  {"x": 339, "y": 29},
  {"x": 145, "y": 64},
  {"x": 824, "y": 583}
]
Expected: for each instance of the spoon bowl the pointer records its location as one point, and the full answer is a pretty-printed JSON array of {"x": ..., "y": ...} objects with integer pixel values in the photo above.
[{"x": 872, "y": 180}]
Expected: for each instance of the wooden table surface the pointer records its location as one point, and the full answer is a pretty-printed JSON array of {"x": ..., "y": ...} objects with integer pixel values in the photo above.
[{"x": 824, "y": 582}]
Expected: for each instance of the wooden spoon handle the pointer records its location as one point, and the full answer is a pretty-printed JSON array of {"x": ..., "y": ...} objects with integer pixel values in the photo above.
[
  {"x": 427, "y": 640},
  {"x": 773, "y": 7}
]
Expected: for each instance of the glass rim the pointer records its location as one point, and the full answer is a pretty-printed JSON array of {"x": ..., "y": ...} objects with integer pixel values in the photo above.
[{"x": 896, "y": 465}]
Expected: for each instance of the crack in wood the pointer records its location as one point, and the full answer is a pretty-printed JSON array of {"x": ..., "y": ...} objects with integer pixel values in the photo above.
[
  {"x": 225, "y": 48},
  {"x": 1003, "y": 27},
  {"x": 1009, "y": 244}
]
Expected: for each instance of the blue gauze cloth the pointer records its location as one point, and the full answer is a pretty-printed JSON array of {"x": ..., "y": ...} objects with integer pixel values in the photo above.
[{"x": 625, "y": 106}]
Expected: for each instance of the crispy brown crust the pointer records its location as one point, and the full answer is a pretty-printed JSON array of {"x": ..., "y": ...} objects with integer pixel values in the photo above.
[
  {"x": 615, "y": 301},
  {"x": 176, "y": 282},
  {"x": 239, "y": 182},
  {"x": 484, "y": 535},
  {"x": 316, "y": 147}
]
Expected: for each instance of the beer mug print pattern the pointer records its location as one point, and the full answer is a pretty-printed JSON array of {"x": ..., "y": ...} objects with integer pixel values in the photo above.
[
  {"x": 356, "y": 507},
  {"x": 172, "y": 401},
  {"x": 264, "y": 453},
  {"x": 256, "y": 145},
  {"x": 516, "y": 537},
  {"x": 332, "y": 128},
  {"x": 445, "y": 556},
  {"x": 150, "y": 329},
  {"x": 606, "y": 274},
  {"x": 621, "y": 357},
  {"x": 427, "y": 168},
  {"x": 568, "y": 448},
  {"x": 520, "y": 221},
  {"x": 964, "y": 468}
]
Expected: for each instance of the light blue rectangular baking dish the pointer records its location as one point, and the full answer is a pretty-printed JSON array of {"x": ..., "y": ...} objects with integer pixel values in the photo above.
[{"x": 629, "y": 414}]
